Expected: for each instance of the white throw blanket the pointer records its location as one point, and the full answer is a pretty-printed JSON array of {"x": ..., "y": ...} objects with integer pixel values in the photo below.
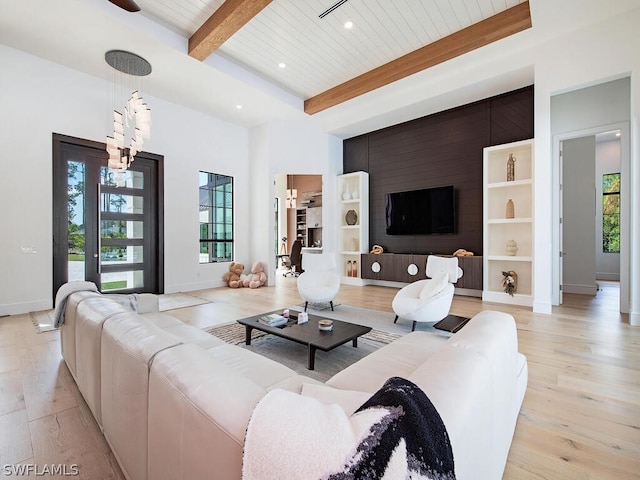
[
  {"x": 127, "y": 300},
  {"x": 63, "y": 293},
  {"x": 396, "y": 434}
]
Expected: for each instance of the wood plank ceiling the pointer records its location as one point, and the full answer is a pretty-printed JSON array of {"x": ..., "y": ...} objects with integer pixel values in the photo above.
[{"x": 326, "y": 63}]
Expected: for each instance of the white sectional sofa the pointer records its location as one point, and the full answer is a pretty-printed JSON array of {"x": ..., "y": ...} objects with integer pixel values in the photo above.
[{"x": 174, "y": 402}]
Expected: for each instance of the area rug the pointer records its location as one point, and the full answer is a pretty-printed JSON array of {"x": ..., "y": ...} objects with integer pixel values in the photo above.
[
  {"x": 318, "y": 307},
  {"x": 234, "y": 333},
  {"x": 327, "y": 364},
  {"x": 43, "y": 321},
  {"x": 172, "y": 301},
  {"x": 295, "y": 355}
]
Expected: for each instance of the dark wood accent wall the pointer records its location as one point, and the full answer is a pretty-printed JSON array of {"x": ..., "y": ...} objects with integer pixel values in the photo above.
[{"x": 440, "y": 149}]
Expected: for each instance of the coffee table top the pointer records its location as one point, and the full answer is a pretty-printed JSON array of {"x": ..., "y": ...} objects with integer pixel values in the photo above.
[{"x": 308, "y": 333}]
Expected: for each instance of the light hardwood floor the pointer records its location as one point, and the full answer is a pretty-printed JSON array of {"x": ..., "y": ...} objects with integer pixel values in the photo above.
[{"x": 580, "y": 418}]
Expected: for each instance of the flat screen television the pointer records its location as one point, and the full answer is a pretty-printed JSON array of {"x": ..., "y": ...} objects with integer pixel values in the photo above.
[{"x": 421, "y": 212}]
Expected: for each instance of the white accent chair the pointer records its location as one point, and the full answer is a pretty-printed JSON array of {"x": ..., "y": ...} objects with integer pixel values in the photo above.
[
  {"x": 320, "y": 283},
  {"x": 429, "y": 300}
]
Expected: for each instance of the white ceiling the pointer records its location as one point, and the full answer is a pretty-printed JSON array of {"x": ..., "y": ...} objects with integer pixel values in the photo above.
[{"x": 319, "y": 53}]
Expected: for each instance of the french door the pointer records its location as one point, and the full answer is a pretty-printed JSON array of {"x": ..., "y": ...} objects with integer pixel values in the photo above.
[{"x": 107, "y": 226}]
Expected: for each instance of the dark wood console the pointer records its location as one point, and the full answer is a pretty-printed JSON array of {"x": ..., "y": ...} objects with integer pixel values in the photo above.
[{"x": 394, "y": 268}]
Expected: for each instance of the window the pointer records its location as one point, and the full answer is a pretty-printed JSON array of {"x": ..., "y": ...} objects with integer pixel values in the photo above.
[
  {"x": 216, "y": 218},
  {"x": 611, "y": 213}
]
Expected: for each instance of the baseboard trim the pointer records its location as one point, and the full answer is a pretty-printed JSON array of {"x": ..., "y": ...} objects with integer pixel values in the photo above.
[
  {"x": 580, "y": 289},
  {"x": 190, "y": 287},
  {"x": 608, "y": 277},
  {"x": 22, "y": 308}
]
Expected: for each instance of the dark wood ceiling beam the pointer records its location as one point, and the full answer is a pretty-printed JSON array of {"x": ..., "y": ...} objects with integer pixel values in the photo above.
[
  {"x": 497, "y": 27},
  {"x": 230, "y": 17}
]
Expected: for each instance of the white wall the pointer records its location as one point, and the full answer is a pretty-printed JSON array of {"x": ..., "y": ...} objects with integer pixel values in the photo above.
[
  {"x": 295, "y": 148},
  {"x": 39, "y": 98},
  {"x": 607, "y": 161},
  {"x": 595, "y": 54},
  {"x": 587, "y": 111}
]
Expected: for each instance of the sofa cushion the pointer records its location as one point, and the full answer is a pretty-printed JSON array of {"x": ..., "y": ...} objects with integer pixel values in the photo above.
[
  {"x": 129, "y": 344},
  {"x": 399, "y": 358},
  {"x": 199, "y": 408},
  {"x": 68, "y": 328},
  {"x": 92, "y": 313},
  {"x": 188, "y": 333},
  {"x": 455, "y": 381},
  {"x": 261, "y": 371}
]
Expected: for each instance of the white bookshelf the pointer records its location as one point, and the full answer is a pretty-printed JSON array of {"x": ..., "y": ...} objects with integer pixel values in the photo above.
[
  {"x": 498, "y": 230},
  {"x": 353, "y": 240}
]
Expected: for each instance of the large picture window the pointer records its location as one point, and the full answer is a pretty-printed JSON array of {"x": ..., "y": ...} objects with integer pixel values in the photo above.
[
  {"x": 611, "y": 213},
  {"x": 216, "y": 218}
]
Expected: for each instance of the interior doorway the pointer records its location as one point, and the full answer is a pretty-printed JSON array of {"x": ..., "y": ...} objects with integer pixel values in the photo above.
[
  {"x": 298, "y": 212},
  {"x": 593, "y": 213}
]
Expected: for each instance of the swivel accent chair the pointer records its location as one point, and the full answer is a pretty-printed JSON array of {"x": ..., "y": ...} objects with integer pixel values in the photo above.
[
  {"x": 429, "y": 300},
  {"x": 320, "y": 283}
]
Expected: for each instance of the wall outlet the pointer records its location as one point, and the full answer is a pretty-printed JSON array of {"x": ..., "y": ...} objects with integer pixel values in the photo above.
[{"x": 28, "y": 250}]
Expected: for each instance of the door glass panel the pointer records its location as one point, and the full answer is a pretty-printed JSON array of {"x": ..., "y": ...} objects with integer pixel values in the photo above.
[
  {"x": 121, "y": 229},
  {"x": 76, "y": 221},
  {"x": 127, "y": 179},
  {"x": 121, "y": 280},
  {"x": 117, "y": 255},
  {"x": 121, "y": 203}
]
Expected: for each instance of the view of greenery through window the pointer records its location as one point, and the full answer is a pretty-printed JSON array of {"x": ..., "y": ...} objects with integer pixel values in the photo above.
[
  {"x": 216, "y": 218},
  {"x": 611, "y": 213},
  {"x": 75, "y": 195},
  {"x": 109, "y": 228}
]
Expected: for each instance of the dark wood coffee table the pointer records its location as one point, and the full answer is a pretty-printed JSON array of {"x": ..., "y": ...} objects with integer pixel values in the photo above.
[{"x": 308, "y": 333}]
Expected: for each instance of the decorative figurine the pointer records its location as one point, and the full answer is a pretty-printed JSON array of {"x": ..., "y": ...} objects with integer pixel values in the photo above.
[
  {"x": 510, "y": 282},
  {"x": 511, "y": 168},
  {"x": 512, "y": 248}
]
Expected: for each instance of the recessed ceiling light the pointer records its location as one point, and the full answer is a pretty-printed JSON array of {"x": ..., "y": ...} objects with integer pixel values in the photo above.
[
  {"x": 617, "y": 134},
  {"x": 282, "y": 65},
  {"x": 348, "y": 25},
  {"x": 239, "y": 107}
]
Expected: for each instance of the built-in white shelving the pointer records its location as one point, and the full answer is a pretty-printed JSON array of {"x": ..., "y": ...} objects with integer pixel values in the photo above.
[
  {"x": 499, "y": 230},
  {"x": 353, "y": 221}
]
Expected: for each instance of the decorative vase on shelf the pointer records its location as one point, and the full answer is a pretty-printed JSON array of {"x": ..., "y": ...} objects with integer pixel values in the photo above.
[
  {"x": 349, "y": 268},
  {"x": 511, "y": 168},
  {"x": 512, "y": 248},
  {"x": 510, "y": 209},
  {"x": 355, "y": 194},
  {"x": 354, "y": 269}
]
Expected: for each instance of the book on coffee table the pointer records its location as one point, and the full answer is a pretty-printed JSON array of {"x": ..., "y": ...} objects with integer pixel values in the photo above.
[
  {"x": 451, "y": 323},
  {"x": 273, "y": 320}
]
